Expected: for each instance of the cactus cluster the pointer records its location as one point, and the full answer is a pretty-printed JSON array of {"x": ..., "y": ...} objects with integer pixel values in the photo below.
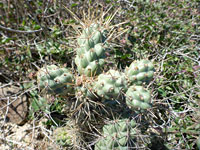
[{"x": 93, "y": 87}]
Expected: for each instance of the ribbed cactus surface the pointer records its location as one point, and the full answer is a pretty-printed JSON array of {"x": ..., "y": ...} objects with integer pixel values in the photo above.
[
  {"x": 56, "y": 80},
  {"x": 110, "y": 85},
  {"x": 117, "y": 135},
  {"x": 140, "y": 72},
  {"x": 138, "y": 97},
  {"x": 90, "y": 52}
]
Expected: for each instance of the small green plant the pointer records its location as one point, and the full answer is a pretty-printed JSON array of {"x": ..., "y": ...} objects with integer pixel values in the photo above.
[
  {"x": 117, "y": 135},
  {"x": 68, "y": 135}
]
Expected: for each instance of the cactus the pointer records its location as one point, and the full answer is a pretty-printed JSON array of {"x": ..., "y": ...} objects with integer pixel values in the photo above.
[
  {"x": 117, "y": 135},
  {"x": 56, "y": 80},
  {"x": 63, "y": 137},
  {"x": 110, "y": 85},
  {"x": 68, "y": 136},
  {"x": 138, "y": 97},
  {"x": 140, "y": 72},
  {"x": 90, "y": 52},
  {"x": 98, "y": 95}
]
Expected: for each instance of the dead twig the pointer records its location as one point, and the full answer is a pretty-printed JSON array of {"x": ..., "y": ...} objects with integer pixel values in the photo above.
[{"x": 19, "y": 31}]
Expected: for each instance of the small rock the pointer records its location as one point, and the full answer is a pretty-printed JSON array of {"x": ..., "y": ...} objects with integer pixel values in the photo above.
[{"x": 17, "y": 111}]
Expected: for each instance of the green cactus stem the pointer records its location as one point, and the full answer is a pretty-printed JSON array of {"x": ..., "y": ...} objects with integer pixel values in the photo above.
[
  {"x": 110, "y": 85},
  {"x": 140, "y": 72},
  {"x": 55, "y": 80},
  {"x": 91, "y": 51},
  {"x": 138, "y": 97}
]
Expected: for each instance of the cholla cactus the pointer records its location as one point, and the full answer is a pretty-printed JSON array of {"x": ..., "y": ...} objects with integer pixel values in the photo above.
[
  {"x": 138, "y": 97},
  {"x": 92, "y": 87},
  {"x": 68, "y": 136}
]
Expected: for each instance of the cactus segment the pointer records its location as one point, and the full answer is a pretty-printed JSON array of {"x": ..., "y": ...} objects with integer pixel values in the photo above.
[
  {"x": 138, "y": 97},
  {"x": 99, "y": 50},
  {"x": 62, "y": 137},
  {"x": 140, "y": 72},
  {"x": 68, "y": 136},
  {"x": 55, "y": 80},
  {"x": 110, "y": 85},
  {"x": 90, "y": 52},
  {"x": 117, "y": 135},
  {"x": 85, "y": 91}
]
